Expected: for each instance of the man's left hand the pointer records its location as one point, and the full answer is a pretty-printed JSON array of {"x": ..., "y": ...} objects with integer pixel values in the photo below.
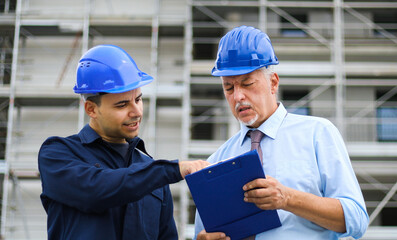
[{"x": 266, "y": 193}]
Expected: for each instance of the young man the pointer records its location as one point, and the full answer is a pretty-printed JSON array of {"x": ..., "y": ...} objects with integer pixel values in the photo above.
[
  {"x": 309, "y": 178},
  {"x": 101, "y": 183}
]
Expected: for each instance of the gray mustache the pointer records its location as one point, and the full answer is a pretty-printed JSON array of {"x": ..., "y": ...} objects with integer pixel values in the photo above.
[{"x": 239, "y": 104}]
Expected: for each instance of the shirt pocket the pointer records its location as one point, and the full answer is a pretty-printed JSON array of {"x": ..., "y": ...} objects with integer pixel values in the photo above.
[
  {"x": 300, "y": 173},
  {"x": 152, "y": 204}
]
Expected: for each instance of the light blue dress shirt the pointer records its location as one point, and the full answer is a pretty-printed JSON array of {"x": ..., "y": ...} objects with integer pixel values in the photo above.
[{"x": 308, "y": 154}]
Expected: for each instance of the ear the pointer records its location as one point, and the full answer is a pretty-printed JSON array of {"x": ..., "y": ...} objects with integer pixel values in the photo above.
[
  {"x": 274, "y": 81},
  {"x": 91, "y": 109}
]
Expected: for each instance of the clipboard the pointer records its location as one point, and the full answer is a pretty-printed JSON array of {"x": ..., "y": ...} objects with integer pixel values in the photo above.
[{"x": 217, "y": 191}]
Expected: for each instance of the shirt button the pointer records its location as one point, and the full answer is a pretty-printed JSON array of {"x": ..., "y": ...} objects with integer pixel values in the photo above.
[{"x": 97, "y": 165}]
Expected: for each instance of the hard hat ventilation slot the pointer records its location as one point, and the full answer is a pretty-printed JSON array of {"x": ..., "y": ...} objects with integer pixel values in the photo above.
[{"x": 87, "y": 64}]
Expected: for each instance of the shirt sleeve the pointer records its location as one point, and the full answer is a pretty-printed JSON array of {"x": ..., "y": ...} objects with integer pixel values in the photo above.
[
  {"x": 67, "y": 179},
  {"x": 198, "y": 225},
  {"x": 339, "y": 180}
]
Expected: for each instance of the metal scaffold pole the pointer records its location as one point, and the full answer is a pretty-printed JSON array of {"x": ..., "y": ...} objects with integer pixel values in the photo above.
[
  {"x": 184, "y": 200},
  {"x": 84, "y": 48},
  {"x": 10, "y": 118},
  {"x": 263, "y": 15},
  {"x": 339, "y": 59},
  {"x": 153, "y": 70}
]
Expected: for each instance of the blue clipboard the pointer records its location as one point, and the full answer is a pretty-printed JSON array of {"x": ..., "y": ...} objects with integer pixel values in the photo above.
[{"x": 218, "y": 194}]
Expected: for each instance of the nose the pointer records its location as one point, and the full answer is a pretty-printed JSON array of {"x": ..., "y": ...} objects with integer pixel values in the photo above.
[
  {"x": 238, "y": 94},
  {"x": 134, "y": 110}
]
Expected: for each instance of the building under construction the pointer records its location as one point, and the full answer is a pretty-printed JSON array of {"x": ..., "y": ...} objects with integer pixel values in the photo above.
[{"x": 338, "y": 60}]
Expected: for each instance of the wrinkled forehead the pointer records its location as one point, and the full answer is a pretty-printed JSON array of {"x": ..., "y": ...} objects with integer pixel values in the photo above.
[
  {"x": 234, "y": 79},
  {"x": 239, "y": 79}
]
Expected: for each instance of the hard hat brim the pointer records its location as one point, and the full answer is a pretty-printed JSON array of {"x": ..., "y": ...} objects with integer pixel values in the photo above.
[
  {"x": 144, "y": 81},
  {"x": 233, "y": 71}
]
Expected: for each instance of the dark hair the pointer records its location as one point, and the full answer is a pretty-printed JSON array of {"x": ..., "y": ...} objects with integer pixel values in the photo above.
[{"x": 96, "y": 98}]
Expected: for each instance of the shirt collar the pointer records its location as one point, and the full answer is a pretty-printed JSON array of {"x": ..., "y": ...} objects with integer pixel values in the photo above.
[
  {"x": 88, "y": 135},
  {"x": 269, "y": 127}
]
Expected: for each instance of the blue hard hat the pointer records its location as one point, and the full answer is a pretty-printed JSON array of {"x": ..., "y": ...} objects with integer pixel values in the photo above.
[
  {"x": 243, "y": 50},
  {"x": 108, "y": 68}
]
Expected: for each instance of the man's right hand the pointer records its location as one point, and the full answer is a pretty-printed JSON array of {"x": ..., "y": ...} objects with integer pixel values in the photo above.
[
  {"x": 203, "y": 235},
  {"x": 188, "y": 167}
]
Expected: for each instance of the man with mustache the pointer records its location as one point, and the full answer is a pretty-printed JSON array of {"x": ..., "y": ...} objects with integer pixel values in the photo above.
[
  {"x": 101, "y": 183},
  {"x": 309, "y": 178}
]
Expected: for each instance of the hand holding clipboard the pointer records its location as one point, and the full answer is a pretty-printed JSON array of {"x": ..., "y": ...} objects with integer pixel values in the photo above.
[{"x": 218, "y": 193}]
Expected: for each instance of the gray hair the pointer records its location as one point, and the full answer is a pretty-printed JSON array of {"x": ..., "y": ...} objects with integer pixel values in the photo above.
[{"x": 267, "y": 71}]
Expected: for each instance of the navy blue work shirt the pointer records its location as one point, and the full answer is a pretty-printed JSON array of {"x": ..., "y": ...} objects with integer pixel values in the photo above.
[{"x": 91, "y": 191}]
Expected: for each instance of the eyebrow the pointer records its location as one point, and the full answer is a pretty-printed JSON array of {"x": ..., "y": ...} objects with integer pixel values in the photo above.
[
  {"x": 126, "y": 101},
  {"x": 227, "y": 83},
  {"x": 139, "y": 96},
  {"x": 245, "y": 79}
]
